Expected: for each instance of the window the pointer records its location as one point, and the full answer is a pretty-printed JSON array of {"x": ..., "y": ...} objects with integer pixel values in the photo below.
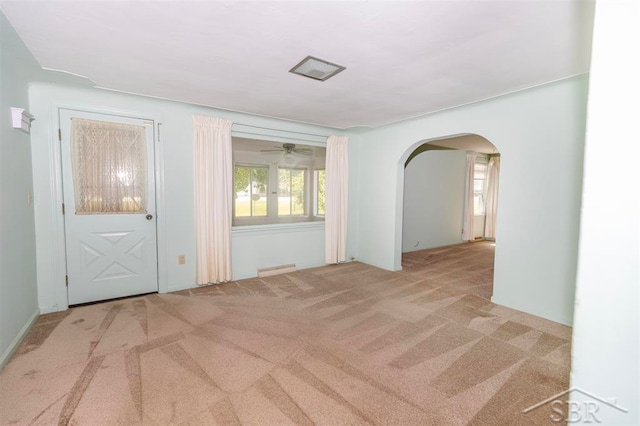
[
  {"x": 319, "y": 183},
  {"x": 277, "y": 183},
  {"x": 291, "y": 195},
  {"x": 251, "y": 185},
  {"x": 109, "y": 167},
  {"x": 479, "y": 185}
]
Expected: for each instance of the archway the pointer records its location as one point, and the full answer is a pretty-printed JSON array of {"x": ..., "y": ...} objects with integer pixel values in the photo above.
[{"x": 450, "y": 195}]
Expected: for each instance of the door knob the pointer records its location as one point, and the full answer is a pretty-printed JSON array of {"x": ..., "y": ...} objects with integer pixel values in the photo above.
[{"x": 149, "y": 216}]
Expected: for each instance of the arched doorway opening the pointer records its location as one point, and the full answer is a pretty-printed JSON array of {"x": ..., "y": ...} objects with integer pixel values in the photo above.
[{"x": 450, "y": 212}]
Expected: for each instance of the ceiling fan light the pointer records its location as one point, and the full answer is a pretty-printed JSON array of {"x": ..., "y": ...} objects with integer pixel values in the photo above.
[
  {"x": 288, "y": 158},
  {"x": 317, "y": 69}
]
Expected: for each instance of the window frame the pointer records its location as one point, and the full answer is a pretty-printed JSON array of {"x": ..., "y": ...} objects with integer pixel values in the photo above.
[
  {"x": 305, "y": 194},
  {"x": 483, "y": 194},
  {"x": 316, "y": 192},
  {"x": 250, "y": 167}
]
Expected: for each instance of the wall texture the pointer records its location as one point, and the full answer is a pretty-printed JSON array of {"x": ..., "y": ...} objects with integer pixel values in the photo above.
[
  {"x": 539, "y": 200},
  {"x": 434, "y": 183},
  {"x": 18, "y": 297},
  {"x": 606, "y": 336},
  {"x": 251, "y": 250}
]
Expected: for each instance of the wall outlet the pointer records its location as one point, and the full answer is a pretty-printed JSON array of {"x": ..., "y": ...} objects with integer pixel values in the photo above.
[{"x": 181, "y": 259}]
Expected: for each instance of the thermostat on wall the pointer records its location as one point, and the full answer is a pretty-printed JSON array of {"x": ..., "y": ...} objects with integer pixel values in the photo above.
[{"x": 21, "y": 119}]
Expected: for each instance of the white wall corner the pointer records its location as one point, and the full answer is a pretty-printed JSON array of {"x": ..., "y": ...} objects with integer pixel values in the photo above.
[
  {"x": 6, "y": 356},
  {"x": 51, "y": 309}
]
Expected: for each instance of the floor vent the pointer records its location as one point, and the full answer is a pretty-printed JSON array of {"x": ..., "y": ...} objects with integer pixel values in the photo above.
[{"x": 276, "y": 270}]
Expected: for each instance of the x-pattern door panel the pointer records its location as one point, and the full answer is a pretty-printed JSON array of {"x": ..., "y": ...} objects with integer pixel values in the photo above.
[
  {"x": 110, "y": 253},
  {"x": 107, "y": 255}
]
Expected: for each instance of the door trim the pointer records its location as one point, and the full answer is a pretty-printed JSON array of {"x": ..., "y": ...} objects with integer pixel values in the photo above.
[{"x": 58, "y": 256}]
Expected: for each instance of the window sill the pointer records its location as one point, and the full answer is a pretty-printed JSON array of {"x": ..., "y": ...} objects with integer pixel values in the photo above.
[{"x": 278, "y": 227}]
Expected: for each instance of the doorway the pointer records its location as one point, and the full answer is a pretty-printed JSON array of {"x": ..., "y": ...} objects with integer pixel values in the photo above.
[
  {"x": 108, "y": 180},
  {"x": 450, "y": 210}
]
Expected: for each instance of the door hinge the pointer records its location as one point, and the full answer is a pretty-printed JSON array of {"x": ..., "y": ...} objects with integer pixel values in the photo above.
[
  {"x": 159, "y": 124},
  {"x": 60, "y": 135},
  {"x": 66, "y": 280},
  {"x": 63, "y": 208}
]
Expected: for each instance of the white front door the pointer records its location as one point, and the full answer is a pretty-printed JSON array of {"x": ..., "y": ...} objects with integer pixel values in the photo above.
[{"x": 109, "y": 202}]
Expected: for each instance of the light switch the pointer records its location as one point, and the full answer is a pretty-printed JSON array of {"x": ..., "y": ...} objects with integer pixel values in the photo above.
[{"x": 181, "y": 259}]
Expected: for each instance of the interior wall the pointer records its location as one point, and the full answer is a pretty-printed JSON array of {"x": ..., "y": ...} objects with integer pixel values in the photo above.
[
  {"x": 539, "y": 200},
  {"x": 434, "y": 183},
  {"x": 18, "y": 292},
  {"x": 302, "y": 245},
  {"x": 265, "y": 246},
  {"x": 606, "y": 335}
]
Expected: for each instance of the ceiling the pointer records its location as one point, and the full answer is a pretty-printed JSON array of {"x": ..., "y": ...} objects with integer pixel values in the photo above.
[
  {"x": 402, "y": 59},
  {"x": 259, "y": 146},
  {"x": 468, "y": 143}
]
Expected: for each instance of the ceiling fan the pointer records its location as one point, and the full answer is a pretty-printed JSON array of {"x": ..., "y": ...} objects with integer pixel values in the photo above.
[{"x": 290, "y": 148}]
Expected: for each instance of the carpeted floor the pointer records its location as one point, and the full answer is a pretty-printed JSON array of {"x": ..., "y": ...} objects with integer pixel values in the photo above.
[{"x": 348, "y": 344}]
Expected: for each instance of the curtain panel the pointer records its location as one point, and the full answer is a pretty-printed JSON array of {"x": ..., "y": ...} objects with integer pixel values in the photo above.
[
  {"x": 493, "y": 177},
  {"x": 213, "y": 169},
  {"x": 337, "y": 183},
  {"x": 467, "y": 222},
  {"x": 109, "y": 167}
]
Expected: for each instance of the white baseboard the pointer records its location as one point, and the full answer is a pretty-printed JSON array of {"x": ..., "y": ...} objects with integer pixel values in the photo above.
[
  {"x": 237, "y": 277},
  {"x": 49, "y": 310},
  {"x": 18, "y": 339},
  {"x": 179, "y": 287},
  {"x": 276, "y": 270}
]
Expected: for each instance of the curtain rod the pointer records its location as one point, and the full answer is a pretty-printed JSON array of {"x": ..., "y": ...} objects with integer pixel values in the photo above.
[{"x": 280, "y": 130}]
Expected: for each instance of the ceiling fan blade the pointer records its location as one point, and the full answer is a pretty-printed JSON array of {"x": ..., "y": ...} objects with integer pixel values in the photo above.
[{"x": 272, "y": 150}]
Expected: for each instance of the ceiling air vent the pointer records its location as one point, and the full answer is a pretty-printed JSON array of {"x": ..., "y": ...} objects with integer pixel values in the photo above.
[{"x": 316, "y": 68}]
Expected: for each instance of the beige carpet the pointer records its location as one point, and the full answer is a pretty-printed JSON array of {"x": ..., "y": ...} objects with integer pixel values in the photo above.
[{"x": 348, "y": 344}]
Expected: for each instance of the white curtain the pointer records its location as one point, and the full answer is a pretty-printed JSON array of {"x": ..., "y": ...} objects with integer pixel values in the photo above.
[
  {"x": 467, "y": 222},
  {"x": 492, "y": 197},
  {"x": 213, "y": 186},
  {"x": 337, "y": 181},
  {"x": 109, "y": 167}
]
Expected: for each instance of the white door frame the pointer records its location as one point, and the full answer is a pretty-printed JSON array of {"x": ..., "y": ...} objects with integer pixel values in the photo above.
[{"x": 59, "y": 256}]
